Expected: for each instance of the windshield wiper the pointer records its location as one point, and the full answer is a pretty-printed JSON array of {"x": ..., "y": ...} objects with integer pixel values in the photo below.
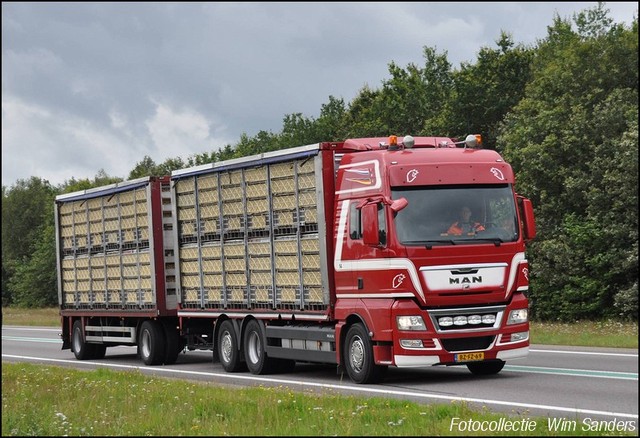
[
  {"x": 430, "y": 243},
  {"x": 495, "y": 240}
]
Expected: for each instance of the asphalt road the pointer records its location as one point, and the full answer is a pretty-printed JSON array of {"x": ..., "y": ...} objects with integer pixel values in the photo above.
[{"x": 553, "y": 381}]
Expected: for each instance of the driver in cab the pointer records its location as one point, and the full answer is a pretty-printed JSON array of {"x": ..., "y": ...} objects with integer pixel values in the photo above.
[{"x": 465, "y": 226}]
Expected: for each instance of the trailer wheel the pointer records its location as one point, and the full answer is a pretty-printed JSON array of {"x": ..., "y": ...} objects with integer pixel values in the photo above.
[
  {"x": 285, "y": 365},
  {"x": 228, "y": 348},
  {"x": 358, "y": 356},
  {"x": 254, "y": 350},
  {"x": 486, "y": 368},
  {"x": 174, "y": 344},
  {"x": 99, "y": 351},
  {"x": 151, "y": 344},
  {"x": 81, "y": 349}
]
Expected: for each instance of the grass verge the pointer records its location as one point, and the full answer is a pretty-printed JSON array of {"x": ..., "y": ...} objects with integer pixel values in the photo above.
[
  {"x": 48, "y": 317},
  {"x": 612, "y": 334},
  {"x": 42, "y": 400}
]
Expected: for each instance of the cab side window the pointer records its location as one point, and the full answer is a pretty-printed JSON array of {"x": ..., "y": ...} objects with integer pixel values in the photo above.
[
  {"x": 355, "y": 222},
  {"x": 382, "y": 225}
]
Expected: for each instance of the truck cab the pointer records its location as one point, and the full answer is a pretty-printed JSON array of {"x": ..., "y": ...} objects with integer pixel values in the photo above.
[{"x": 429, "y": 289}]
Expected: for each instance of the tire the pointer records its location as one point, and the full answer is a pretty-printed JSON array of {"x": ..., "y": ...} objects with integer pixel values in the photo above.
[
  {"x": 285, "y": 365},
  {"x": 228, "y": 348},
  {"x": 174, "y": 343},
  {"x": 358, "y": 356},
  {"x": 254, "y": 350},
  {"x": 81, "y": 349},
  {"x": 151, "y": 344},
  {"x": 99, "y": 351},
  {"x": 486, "y": 368}
]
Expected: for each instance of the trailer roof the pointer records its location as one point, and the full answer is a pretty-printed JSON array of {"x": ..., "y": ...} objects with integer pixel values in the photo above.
[
  {"x": 104, "y": 190},
  {"x": 250, "y": 161}
]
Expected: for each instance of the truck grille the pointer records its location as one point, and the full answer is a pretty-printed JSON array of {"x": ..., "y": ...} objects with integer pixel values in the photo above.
[{"x": 467, "y": 344}]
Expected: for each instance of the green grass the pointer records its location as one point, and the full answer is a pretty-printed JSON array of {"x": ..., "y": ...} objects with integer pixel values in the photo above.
[
  {"x": 42, "y": 400},
  {"x": 48, "y": 317},
  {"x": 582, "y": 333},
  {"x": 611, "y": 334}
]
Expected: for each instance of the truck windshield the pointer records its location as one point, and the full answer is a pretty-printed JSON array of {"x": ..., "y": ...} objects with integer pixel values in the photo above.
[{"x": 450, "y": 215}]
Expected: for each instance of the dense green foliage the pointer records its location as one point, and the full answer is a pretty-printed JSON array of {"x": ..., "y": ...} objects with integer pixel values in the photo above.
[
  {"x": 564, "y": 113},
  {"x": 573, "y": 141}
]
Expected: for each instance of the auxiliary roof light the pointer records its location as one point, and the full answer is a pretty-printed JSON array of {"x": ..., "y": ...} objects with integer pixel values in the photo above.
[{"x": 408, "y": 141}]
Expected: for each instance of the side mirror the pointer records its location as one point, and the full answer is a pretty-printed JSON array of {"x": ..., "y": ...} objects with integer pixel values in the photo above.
[
  {"x": 399, "y": 204},
  {"x": 369, "y": 216},
  {"x": 528, "y": 219}
]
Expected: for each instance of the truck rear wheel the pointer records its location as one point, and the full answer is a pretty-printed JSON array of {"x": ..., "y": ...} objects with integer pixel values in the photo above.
[
  {"x": 358, "y": 356},
  {"x": 486, "y": 368},
  {"x": 228, "y": 348},
  {"x": 151, "y": 344},
  {"x": 81, "y": 349},
  {"x": 254, "y": 351}
]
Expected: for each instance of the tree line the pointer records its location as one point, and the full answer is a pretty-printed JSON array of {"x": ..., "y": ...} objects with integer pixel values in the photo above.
[{"x": 563, "y": 112}]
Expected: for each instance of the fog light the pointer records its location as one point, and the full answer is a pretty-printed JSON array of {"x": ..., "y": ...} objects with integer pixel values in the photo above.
[
  {"x": 410, "y": 343},
  {"x": 517, "y": 316},
  {"x": 520, "y": 336},
  {"x": 445, "y": 321},
  {"x": 488, "y": 319},
  {"x": 460, "y": 320},
  {"x": 474, "y": 319}
]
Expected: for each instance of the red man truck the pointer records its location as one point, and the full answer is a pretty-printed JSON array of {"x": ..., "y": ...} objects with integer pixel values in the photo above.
[{"x": 351, "y": 253}]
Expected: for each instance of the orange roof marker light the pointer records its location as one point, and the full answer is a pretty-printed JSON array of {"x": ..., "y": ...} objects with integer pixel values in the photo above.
[{"x": 393, "y": 142}]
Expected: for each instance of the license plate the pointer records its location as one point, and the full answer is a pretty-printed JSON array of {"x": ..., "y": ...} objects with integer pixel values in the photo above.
[{"x": 466, "y": 357}]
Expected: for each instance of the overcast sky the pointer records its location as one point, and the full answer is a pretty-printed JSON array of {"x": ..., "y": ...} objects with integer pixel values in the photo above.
[{"x": 90, "y": 86}]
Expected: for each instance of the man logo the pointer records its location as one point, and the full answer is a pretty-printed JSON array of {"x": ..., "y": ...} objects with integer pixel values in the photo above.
[{"x": 465, "y": 280}]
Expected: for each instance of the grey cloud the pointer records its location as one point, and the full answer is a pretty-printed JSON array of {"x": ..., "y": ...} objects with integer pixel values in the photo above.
[{"x": 102, "y": 72}]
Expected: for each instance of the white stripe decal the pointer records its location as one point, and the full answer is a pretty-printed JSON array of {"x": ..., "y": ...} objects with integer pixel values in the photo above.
[
  {"x": 378, "y": 182},
  {"x": 515, "y": 268},
  {"x": 396, "y": 295},
  {"x": 370, "y": 264}
]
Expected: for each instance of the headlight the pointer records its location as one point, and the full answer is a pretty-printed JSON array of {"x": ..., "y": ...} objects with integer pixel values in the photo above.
[
  {"x": 410, "y": 323},
  {"x": 517, "y": 316}
]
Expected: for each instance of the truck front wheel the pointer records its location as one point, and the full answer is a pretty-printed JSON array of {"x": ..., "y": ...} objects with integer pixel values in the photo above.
[
  {"x": 151, "y": 345},
  {"x": 486, "y": 368},
  {"x": 358, "y": 356}
]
